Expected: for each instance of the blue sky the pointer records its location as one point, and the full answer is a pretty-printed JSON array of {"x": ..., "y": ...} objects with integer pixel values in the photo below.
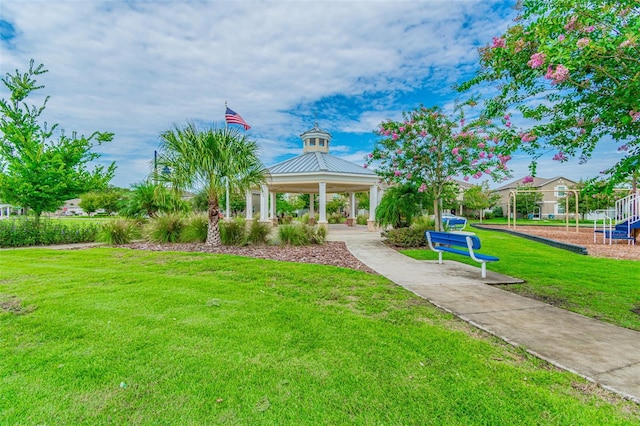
[{"x": 136, "y": 68}]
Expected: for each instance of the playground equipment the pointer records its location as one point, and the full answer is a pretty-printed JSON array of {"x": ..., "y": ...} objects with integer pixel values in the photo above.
[{"x": 621, "y": 222}]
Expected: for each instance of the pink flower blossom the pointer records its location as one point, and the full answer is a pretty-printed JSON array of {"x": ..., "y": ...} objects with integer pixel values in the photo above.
[
  {"x": 561, "y": 37},
  {"x": 490, "y": 155},
  {"x": 590, "y": 29},
  {"x": 481, "y": 145},
  {"x": 454, "y": 151},
  {"x": 624, "y": 148},
  {"x": 397, "y": 173},
  {"x": 401, "y": 129},
  {"x": 507, "y": 117},
  {"x": 508, "y": 124},
  {"x": 560, "y": 157},
  {"x": 537, "y": 60},
  {"x": 422, "y": 188},
  {"x": 498, "y": 42},
  {"x": 423, "y": 133},
  {"x": 459, "y": 159},
  {"x": 370, "y": 155},
  {"x": 394, "y": 136},
  {"x": 527, "y": 137},
  {"x": 409, "y": 175},
  {"x": 583, "y": 42},
  {"x": 483, "y": 154},
  {"x": 365, "y": 165},
  {"x": 560, "y": 74},
  {"x": 466, "y": 179},
  {"x": 527, "y": 179},
  {"x": 399, "y": 151},
  {"x": 571, "y": 25},
  {"x": 635, "y": 115}
]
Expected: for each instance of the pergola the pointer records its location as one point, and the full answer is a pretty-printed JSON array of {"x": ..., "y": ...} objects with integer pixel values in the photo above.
[{"x": 316, "y": 172}]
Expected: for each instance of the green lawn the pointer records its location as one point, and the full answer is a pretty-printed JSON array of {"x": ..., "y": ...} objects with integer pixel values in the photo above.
[
  {"x": 607, "y": 289},
  {"x": 114, "y": 336}
]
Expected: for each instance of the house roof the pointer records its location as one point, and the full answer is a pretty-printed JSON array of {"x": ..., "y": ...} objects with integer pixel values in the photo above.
[
  {"x": 318, "y": 162},
  {"x": 537, "y": 182}
]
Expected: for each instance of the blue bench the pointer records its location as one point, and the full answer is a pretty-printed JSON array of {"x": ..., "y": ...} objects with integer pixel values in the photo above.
[
  {"x": 456, "y": 224},
  {"x": 447, "y": 241}
]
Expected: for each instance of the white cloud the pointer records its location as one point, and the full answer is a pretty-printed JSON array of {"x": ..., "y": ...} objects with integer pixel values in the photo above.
[{"x": 135, "y": 68}]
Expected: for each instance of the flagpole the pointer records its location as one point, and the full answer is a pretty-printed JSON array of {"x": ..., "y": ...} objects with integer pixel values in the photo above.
[{"x": 228, "y": 210}]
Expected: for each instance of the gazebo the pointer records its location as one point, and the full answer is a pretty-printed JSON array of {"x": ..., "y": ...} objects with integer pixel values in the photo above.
[{"x": 316, "y": 172}]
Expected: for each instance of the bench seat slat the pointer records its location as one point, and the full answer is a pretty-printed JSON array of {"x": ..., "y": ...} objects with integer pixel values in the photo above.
[{"x": 446, "y": 242}]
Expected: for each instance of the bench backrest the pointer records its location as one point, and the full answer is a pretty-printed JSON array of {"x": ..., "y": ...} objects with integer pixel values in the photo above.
[
  {"x": 453, "y": 239},
  {"x": 454, "y": 222}
]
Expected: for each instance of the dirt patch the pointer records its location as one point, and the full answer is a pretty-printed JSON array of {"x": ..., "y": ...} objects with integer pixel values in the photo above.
[
  {"x": 636, "y": 310},
  {"x": 13, "y": 305}
]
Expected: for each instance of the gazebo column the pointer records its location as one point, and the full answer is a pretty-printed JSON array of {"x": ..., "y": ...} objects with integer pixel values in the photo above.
[
  {"x": 264, "y": 203},
  {"x": 351, "y": 219},
  {"x": 323, "y": 204},
  {"x": 248, "y": 206},
  {"x": 373, "y": 203},
  {"x": 312, "y": 213},
  {"x": 272, "y": 215}
]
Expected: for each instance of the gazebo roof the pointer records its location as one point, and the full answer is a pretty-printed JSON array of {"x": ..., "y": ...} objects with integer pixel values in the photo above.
[{"x": 316, "y": 162}]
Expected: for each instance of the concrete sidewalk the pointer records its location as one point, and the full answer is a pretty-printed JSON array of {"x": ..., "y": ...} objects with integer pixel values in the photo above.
[{"x": 600, "y": 352}]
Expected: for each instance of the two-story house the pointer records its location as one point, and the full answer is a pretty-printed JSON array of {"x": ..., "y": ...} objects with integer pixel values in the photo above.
[{"x": 552, "y": 191}]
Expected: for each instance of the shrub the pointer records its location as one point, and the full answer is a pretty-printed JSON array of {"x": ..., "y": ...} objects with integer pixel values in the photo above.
[
  {"x": 305, "y": 218},
  {"x": 118, "y": 231},
  {"x": 26, "y": 232},
  {"x": 195, "y": 228},
  {"x": 424, "y": 223},
  {"x": 258, "y": 232},
  {"x": 233, "y": 232},
  {"x": 497, "y": 211},
  {"x": 164, "y": 228},
  {"x": 362, "y": 219},
  {"x": 405, "y": 237},
  {"x": 336, "y": 218}
]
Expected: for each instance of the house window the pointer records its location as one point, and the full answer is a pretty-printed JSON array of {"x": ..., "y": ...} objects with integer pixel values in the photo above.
[
  {"x": 561, "y": 191},
  {"x": 560, "y": 208},
  {"x": 321, "y": 142},
  {"x": 312, "y": 142}
]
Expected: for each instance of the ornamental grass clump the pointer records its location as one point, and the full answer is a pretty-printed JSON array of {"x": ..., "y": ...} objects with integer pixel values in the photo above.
[
  {"x": 301, "y": 235},
  {"x": 119, "y": 231},
  {"x": 234, "y": 232},
  {"x": 195, "y": 228},
  {"x": 258, "y": 232},
  {"x": 164, "y": 228}
]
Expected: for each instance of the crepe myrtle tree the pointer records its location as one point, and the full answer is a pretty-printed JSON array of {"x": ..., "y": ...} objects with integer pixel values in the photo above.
[
  {"x": 572, "y": 69},
  {"x": 429, "y": 148}
]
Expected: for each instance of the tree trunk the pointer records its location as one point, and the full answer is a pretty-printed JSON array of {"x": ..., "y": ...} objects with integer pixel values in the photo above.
[
  {"x": 213, "y": 232},
  {"x": 437, "y": 214}
]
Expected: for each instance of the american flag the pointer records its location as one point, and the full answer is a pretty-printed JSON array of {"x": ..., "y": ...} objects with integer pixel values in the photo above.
[{"x": 233, "y": 117}]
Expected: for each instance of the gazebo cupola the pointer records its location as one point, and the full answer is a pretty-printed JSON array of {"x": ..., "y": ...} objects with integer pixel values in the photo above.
[{"x": 316, "y": 140}]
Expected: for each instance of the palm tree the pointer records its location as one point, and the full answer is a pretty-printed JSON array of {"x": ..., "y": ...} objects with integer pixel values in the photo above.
[{"x": 208, "y": 160}]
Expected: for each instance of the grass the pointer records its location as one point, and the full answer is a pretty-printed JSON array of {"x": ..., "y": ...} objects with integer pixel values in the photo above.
[
  {"x": 132, "y": 337},
  {"x": 606, "y": 289}
]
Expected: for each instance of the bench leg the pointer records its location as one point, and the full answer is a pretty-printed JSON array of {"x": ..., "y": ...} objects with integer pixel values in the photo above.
[
  {"x": 440, "y": 257},
  {"x": 484, "y": 269}
]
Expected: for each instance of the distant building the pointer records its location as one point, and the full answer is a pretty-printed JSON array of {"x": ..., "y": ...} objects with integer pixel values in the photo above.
[{"x": 552, "y": 190}]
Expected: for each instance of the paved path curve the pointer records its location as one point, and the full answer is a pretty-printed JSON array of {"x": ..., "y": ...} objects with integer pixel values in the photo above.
[{"x": 600, "y": 352}]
